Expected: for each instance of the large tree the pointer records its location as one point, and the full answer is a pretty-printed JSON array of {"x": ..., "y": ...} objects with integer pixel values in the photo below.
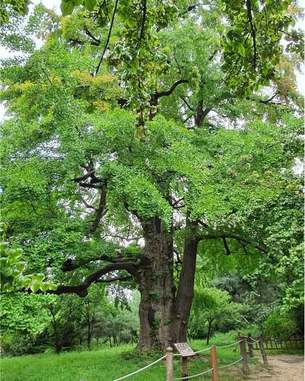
[{"x": 135, "y": 133}]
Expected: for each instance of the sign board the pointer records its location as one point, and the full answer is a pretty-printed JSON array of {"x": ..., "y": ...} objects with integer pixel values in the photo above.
[{"x": 184, "y": 349}]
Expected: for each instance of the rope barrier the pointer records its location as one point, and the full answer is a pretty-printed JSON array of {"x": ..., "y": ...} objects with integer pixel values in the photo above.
[
  {"x": 203, "y": 350},
  {"x": 194, "y": 375},
  {"x": 232, "y": 363},
  {"x": 209, "y": 348},
  {"x": 179, "y": 355},
  {"x": 229, "y": 345},
  {"x": 195, "y": 353},
  {"x": 141, "y": 369}
]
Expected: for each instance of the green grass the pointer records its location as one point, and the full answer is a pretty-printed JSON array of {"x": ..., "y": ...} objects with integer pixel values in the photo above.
[{"x": 107, "y": 364}]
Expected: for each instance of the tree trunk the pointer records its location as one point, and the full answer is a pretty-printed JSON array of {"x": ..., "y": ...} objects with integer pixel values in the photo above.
[
  {"x": 209, "y": 331},
  {"x": 163, "y": 315},
  {"x": 185, "y": 291},
  {"x": 156, "y": 288}
]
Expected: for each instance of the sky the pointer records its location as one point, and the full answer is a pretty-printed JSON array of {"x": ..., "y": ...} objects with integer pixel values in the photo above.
[{"x": 55, "y": 4}]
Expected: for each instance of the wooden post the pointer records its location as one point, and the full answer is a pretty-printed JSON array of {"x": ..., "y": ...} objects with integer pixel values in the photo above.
[
  {"x": 184, "y": 370},
  {"x": 250, "y": 345},
  {"x": 262, "y": 349},
  {"x": 214, "y": 372},
  {"x": 169, "y": 364},
  {"x": 243, "y": 354}
]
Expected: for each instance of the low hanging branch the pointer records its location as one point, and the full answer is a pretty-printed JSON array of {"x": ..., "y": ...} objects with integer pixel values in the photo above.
[
  {"x": 82, "y": 288},
  {"x": 108, "y": 37}
]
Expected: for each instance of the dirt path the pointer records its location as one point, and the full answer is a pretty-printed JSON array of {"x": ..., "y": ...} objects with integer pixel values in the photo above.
[{"x": 283, "y": 368}]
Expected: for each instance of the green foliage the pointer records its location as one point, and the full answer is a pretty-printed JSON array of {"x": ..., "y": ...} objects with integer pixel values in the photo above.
[
  {"x": 280, "y": 324},
  {"x": 213, "y": 308},
  {"x": 9, "y": 7},
  {"x": 35, "y": 323},
  {"x": 81, "y": 125},
  {"x": 251, "y": 43},
  {"x": 24, "y": 313},
  {"x": 23, "y": 318},
  {"x": 13, "y": 275}
]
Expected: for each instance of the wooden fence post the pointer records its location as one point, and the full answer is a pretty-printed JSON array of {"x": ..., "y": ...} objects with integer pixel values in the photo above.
[
  {"x": 262, "y": 349},
  {"x": 243, "y": 354},
  {"x": 214, "y": 372},
  {"x": 169, "y": 364},
  {"x": 184, "y": 370},
  {"x": 250, "y": 345}
]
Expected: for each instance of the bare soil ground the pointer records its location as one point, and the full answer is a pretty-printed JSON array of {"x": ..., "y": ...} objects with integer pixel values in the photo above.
[{"x": 282, "y": 368}]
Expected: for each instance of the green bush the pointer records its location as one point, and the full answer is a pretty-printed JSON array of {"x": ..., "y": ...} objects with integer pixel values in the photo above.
[
  {"x": 15, "y": 344},
  {"x": 280, "y": 324}
]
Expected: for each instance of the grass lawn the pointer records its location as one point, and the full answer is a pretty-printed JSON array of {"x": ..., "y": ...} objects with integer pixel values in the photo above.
[{"x": 109, "y": 363}]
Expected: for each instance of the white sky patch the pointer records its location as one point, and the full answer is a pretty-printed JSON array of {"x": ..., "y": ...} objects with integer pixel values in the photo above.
[{"x": 299, "y": 167}]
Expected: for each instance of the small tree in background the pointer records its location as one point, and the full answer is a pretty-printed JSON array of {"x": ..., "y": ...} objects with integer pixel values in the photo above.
[{"x": 213, "y": 307}]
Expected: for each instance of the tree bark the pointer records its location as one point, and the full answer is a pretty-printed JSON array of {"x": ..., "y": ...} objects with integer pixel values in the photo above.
[
  {"x": 163, "y": 314},
  {"x": 156, "y": 288}
]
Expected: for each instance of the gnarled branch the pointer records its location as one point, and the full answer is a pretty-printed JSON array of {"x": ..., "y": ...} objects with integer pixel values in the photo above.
[{"x": 82, "y": 288}]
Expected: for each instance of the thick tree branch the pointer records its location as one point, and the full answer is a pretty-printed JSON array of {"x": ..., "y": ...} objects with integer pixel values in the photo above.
[
  {"x": 83, "y": 177},
  {"x": 81, "y": 289},
  {"x": 144, "y": 10},
  {"x": 100, "y": 210},
  {"x": 168, "y": 92},
  {"x": 71, "y": 265},
  {"x": 201, "y": 113},
  {"x": 91, "y": 186}
]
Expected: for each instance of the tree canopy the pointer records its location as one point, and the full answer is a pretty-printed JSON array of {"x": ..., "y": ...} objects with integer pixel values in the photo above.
[{"x": 142, "y": 131}]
